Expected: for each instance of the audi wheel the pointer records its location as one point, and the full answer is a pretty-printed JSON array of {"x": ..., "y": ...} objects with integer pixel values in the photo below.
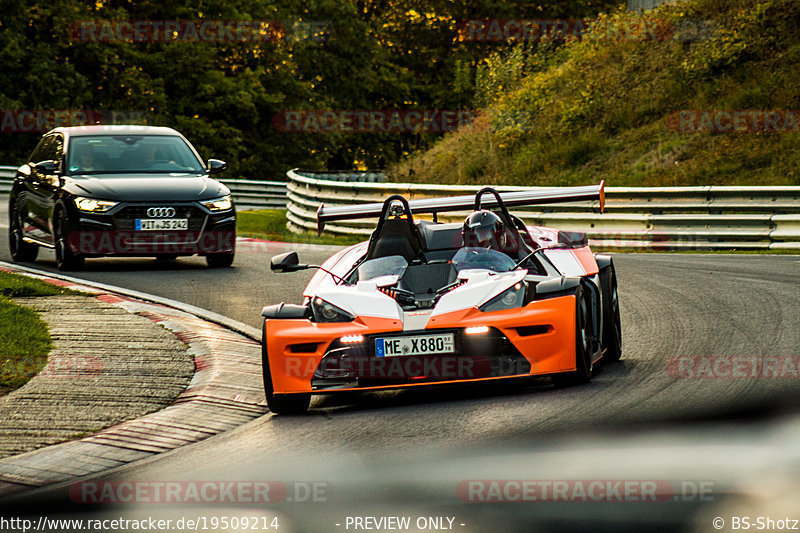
[
  {"x": 20, "y": 250},
  {"x": 65, "y": 258}
]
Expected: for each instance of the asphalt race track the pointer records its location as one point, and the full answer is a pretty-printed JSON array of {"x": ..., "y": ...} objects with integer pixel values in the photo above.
[{"x": 672, "y": 305}]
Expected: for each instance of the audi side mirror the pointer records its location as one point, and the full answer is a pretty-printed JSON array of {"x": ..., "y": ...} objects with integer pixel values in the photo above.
[
  {"x": 215, "y": 166},
  {"x": 46, "y": 167},
  {"x": 287, "y": 262}
]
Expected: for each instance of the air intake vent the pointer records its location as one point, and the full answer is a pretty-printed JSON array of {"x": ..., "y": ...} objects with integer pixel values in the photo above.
[{"x": 527, "y": 331}]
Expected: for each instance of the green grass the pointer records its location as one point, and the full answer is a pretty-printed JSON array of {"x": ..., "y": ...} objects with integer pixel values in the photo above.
[
  {"x": 16, "y": 286},
  {"x": 24, "y": 344},
  {"x": 24, "y": 339},
  {"x": 270, "y": 224},
  {"x": 605, "y": 109}
]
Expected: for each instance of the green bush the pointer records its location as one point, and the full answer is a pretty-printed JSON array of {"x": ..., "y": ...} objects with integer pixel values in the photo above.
[{"x": 603, "y": 107}]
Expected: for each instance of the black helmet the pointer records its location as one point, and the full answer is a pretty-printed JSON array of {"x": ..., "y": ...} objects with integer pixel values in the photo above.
[{"x": 483, "y": 229}]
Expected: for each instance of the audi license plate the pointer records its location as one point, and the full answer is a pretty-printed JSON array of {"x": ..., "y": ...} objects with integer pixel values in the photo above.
[
  {"x": 161, "y": 224},
  {"x": 419, "y": 345}
]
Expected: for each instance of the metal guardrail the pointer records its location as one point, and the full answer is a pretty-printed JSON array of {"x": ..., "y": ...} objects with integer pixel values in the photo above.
[
  {"x": 699, "y": 218},
  {"x": 257, "y": 194},
  {"x": 6, "y": 177},
  {"x": 249, "y": 194},
  {"x": 711, "y": 217}
]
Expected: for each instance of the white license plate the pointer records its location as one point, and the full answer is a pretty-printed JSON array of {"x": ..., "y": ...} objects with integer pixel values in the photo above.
[
  {"x": 161, "y": 224},
  {"x": 418, "y": 345}
]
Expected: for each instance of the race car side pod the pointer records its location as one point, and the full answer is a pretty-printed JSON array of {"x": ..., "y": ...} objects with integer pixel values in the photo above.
[
  {"x": 462, "y": 203},
  {"x": 284, "y": 310},
  {"x": 553, "y": 288}
]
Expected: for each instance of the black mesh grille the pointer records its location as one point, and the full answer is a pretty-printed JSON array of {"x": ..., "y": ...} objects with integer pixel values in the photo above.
[
  {"x": 427, "y": 279},
  {"x": 125, "y": 218}
]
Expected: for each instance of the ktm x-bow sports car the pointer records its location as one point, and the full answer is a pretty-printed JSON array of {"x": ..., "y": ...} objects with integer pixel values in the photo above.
[{"x": 424, "y": 302}]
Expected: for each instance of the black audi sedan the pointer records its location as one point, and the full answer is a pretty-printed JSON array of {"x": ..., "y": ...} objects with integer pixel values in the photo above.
[{"x": 93, "y": 191}]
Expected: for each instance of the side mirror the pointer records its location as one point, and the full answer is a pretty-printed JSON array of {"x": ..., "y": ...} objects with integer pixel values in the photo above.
[
  {"x": 46, "y": 167},
  {"x": 287, "y": 262},
  {"x": 216, "y": 166}
]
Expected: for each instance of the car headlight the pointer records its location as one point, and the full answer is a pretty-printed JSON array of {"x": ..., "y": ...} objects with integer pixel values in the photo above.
[
  {"x": 91, "y": 205},
  {"x": 219, "y": 204},
  {"x": 508, "y": 299},
  {"x": 327, "y": 312}
]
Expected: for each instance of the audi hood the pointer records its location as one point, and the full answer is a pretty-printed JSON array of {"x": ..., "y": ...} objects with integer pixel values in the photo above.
[{"x": 145, "y": 187}]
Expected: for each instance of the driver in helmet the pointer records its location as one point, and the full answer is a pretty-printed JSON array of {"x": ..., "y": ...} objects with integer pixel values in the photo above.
[
  {"x": 484, "y": 243},
  {"x": 484, "y": 229}
]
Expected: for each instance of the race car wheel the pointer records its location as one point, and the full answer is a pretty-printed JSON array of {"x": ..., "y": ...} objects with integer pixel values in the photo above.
[
  {"x": 280, "y": 404},
  {"x": 583, "y": 342},
  {"x": 612, "y": 328},
  {"x": 65, "y": 259},
  {"x": 20, "y": 250}
]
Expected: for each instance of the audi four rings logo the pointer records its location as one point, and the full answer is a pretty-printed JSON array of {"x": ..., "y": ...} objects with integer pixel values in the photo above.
[{"x": 161, "y": 212}]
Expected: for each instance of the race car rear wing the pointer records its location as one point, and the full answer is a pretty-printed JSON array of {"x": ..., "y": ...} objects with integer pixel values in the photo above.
[{"x": 460, "y": 203}]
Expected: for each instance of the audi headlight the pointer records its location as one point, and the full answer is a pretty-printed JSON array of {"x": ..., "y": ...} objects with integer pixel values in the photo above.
[
  {"x": 508, "y": 299},
  {"x": 91, "y": 205},
  {"x": 327, "y": 312},
  {"x": 219, "y": 204}
]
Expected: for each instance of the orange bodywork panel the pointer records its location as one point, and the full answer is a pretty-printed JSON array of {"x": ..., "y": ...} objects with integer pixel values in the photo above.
[
  {"x": 297, "y": 346},
  {"x": 586, "y": 259}
]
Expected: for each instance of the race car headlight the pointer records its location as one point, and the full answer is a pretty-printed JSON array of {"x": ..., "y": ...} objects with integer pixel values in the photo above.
[
  {"x": 327, "y": 312},
  {"x": 508, "y": 299},
  {"x": 218, "y": 204},
  {"x": 91, "y": 205}
]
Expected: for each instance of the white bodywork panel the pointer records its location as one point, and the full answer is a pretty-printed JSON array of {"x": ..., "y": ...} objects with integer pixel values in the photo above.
[
  {"x": 566, "y": 262},
  {"x": 364, "y": 299},
  {"x": 481, "y": 286}
]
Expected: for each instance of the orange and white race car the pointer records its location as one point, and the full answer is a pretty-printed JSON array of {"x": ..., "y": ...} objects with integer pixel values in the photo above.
[{"x": 424, "y": 303}]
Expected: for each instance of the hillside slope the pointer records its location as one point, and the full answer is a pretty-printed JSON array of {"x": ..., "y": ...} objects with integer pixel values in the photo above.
[{"x": 608, "y": 105}]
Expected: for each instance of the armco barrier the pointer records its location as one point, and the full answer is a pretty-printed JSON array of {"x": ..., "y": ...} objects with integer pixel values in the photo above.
[
  {"x": 709, "y": 217},
  {"x": 256, "y": 194},
  {"x": 6, "y": 177},
  {"x": 249, "y": 194},
  {"x": 699, "y": 218}
]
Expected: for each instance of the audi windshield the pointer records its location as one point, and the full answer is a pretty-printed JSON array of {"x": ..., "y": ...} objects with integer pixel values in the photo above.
[{"x": 131, "y": 154}]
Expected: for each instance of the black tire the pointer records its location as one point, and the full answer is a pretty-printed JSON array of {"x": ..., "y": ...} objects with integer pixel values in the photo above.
[
  {"x": 583, "y": 343},
  {"x": 65, "y": 259},
  {"x": 280, "y": 404},
  {"x": 20, "y": 250},
  {"x": 219, "y": 260},
  {"x": 612, "y": 327}
]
